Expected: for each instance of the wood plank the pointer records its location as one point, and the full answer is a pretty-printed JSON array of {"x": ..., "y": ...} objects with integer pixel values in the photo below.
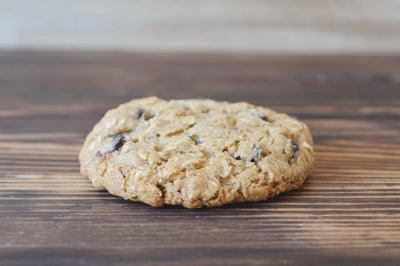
[
  {"x": 307, "y": 26},
  {"x": 348, "y": 211}
]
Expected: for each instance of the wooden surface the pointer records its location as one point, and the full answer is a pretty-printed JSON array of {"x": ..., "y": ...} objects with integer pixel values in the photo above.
[
  {"x": 348, "y": 211},
  {"x": 252, "y": 26}
]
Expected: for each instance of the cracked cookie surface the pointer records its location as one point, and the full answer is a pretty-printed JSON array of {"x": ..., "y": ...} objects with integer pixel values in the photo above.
[{"x": 196, "y": 153}]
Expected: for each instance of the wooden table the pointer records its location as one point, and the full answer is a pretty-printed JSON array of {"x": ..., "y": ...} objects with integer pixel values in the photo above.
[{"x": 348, "y": 211}]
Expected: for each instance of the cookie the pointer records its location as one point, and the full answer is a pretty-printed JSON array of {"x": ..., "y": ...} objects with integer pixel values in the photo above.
[{"x": 196, "y": 152}]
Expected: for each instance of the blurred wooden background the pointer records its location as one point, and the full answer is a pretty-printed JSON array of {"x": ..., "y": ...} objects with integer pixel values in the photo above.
[{"x": 252, "y": 26}]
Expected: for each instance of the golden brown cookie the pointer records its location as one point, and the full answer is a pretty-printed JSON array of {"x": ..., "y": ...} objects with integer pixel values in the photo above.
[{"x": 196, "y": 153}]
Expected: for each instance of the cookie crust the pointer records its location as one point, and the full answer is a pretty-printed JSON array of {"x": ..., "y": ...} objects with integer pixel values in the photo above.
[{"x": 196, "y": 152}]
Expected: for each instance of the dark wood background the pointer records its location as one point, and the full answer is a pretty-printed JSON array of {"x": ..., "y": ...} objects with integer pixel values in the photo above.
[{"x": 348, "y": 211}]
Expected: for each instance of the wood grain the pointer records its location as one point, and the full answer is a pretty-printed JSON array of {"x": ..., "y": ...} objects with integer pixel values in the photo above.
[
  {"x": 348, "y": 211},
  {"x": 251, "y": 26}
]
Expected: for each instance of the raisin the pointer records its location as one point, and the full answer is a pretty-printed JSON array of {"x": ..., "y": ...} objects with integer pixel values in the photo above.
[
  {"x": 295, "y": 148},
  {"x": 265, "y": 118},
  {"x": 139, "y": 114},
  {"x": 118, "y": 142},
  {"x": 258, "y": 153},
  {"x": 239, "y": 158}
]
